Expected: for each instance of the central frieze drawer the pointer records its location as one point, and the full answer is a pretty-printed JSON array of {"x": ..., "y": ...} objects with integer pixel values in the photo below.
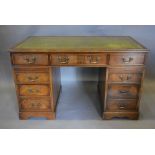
[
  {"x": 127, "y": 59},
  {"x": 123, "y": 91},
  {"x": 30, "y": 59},
  {"x": 80, "y": 59},
  {"x": 35, "y": 104},
  {"x": 32, "y": 90}
]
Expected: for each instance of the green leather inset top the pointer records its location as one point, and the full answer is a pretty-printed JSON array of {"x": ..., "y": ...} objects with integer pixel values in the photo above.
[{"x": 80, "y": 42}]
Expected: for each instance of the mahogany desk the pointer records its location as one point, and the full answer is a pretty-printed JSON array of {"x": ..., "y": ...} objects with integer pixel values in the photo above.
[{"x": 36, "y": 64}]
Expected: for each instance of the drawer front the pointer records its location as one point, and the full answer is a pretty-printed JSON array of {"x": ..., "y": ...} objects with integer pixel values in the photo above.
[
  {"x": 123, "y": 91},
  {"x": 121, "y": 104},
  {"x": 30, "y": 59},
  {"x": 127, "y": 59},
  {"x": 29, "y": 77},
  {"x": 32, "y": 90},
  {"x": 64, "y": 59},
  {"x": 131, "y": 78},
  {"x": 95, "y": 59},
  {"x": 85, "y": 59},
  {"x": 34, "y": 104}
]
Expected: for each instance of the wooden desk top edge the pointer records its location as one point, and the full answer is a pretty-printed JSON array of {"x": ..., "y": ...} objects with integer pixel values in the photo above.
[{"x": 96, "y": 49}]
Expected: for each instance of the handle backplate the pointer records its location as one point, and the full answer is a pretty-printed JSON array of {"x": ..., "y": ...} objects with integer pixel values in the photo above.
[
  {"x": 30, "y": 60},
  {"x": 127, "y": 60}
]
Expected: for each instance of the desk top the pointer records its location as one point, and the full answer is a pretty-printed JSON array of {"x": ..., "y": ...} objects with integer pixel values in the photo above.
[{"x": 77, "y": 43}]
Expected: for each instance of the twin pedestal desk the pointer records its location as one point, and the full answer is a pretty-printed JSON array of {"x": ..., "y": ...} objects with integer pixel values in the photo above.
[{"x": 36, "y": 65}]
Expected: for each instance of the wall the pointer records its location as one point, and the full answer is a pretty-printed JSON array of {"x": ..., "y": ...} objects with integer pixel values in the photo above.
[{"x": 144, "y": 34}]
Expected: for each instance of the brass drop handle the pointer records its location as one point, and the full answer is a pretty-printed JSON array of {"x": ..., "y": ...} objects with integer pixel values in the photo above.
[
  {"x": 122, "y": 106},
  {"x": 63, "y": 59},
  {"x": 125, "y": 78},
  {"x": 30, "y": 60},
  {"x": 127, "y": 60},
  {"x": 30, "y": 90},
  {"x": 33, "y": 79},
  {"x": 93, "y": 59},
  {"x": 35, "y": 105},
  {"x": 124, "y": 91}
]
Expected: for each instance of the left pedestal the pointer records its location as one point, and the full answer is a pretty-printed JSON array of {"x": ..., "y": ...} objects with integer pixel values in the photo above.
[{"x": 37, "y": 88}]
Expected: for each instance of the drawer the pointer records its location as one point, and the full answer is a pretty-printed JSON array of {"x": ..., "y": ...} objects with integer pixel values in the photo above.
[
  {"x": 30, "y": 59},
  {"x": 95, "y": 59},
  {"x": 124, "y": 77},
  {"x": 34, "y": 104},
  {"x": 127, "y": 59},
  {"x": 121, "y": 104},
  {"x": 31, "y": 77},
  {"x": 123, "y": 91},
  {"x": 64, "y": 59},
  {"x": 32, "y": 90},
  {"x": 88, "y": 59}
]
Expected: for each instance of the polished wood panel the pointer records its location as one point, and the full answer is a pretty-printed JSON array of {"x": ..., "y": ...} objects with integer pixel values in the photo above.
[
  {"x": 56, "y": 81},
  {"x": 35, "y": 104},
  {"x": 121, "y": 105},
  {"x": 127, "y": 59},
  {"x": 32, "y": 90},
  {"x": 123, "y": 91},
  {"x": 30, "y": 59}
]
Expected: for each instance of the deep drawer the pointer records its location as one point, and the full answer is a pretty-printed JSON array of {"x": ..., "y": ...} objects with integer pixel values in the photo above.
[
  {"x": 123, "y": 91},
  {"x": 121, "y": 105},
  {"x": 30, "y": 59},
  {"x": 35, "y": 104}
]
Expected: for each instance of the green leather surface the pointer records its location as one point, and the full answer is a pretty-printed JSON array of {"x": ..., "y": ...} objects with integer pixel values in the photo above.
[{"x": 107, "y": 43}]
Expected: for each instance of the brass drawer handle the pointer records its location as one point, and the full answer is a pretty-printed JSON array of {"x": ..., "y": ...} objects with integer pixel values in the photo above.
[
  {"x": 30, "y": 60},
  {"x": 33, "y": 90},
  {"x": 93, "y": 59},
  {"x": 127, "y": 60},
  {"x": 33, "y": 79},
  {"x": 125, "y": 78},
  {"x": 63, "y": 59},
  {"x": 122, "y": 106},
  {"x": 124, "y": 91},
  {"x": 35, "y": 105}
]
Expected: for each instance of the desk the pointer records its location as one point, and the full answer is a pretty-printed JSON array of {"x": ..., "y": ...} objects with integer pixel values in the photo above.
[{"x": 36, "y": 65}]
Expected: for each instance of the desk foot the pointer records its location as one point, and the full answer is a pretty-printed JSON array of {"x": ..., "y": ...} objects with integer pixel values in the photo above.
[
  {"x": 121, "y": 115},
  {"x": 28, "y": 115}
]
